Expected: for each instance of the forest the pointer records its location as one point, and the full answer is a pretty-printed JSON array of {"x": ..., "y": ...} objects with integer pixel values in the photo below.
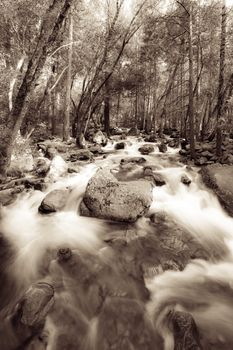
[{"x": 116, "y": 164}]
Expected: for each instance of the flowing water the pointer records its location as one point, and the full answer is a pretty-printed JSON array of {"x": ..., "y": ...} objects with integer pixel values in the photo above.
[{"x": 30, "y": 242}]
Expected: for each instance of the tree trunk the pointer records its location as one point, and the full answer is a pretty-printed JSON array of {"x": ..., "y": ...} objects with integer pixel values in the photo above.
[
  {"x": 66, "y": 124},
  {"x": 221, "y": 81},
  {"x": 107, "y": 109},
  {"x": 191, "y": 104},
  {"x": 52, "y": 22}
]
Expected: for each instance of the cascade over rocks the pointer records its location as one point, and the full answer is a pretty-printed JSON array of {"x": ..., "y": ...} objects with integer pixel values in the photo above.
[
  {"x": 54, "y": 201},
  {"x": 107, "y": 198},
  {"x": 146, "y": 149},
  {"x": 219, "y": 178}
]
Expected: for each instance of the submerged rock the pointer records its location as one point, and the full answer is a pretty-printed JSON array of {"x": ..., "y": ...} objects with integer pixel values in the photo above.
[
  {"x": 146, "y": 149},
  {"x": 54, "y": 201},
  {"x": 219, "y": 178},
  {"x": 123, "y": 325},
  {"x": 35, "y": 304},
  {"x": 108, "y": 198},
  {"x": 186, "y": 335}
]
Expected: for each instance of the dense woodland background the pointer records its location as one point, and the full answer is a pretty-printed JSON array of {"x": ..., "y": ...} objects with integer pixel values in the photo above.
[{"x": 71, "y": 67}]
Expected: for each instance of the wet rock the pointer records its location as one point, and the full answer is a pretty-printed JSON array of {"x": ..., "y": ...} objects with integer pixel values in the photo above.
[
  {"x": 162, "y": 148},
  {"x": 54, "y": 201},
  {"x": 8, "y": 196},
  {"x": 108, "y": 198},
  {"x": 50, "y": 152},
  {"x": 137, "y": 160},
  {"x": 82, "y": 154},
  {"x": 185, "y": 180},
  {"x": 58, "y": 168},
  {"x": 133, "y": 132},
  {"x": 183, "y": 143},
  {"x": 42, "y": 166},
  {"x": 201, "y": 161},
  {"x": 123, "y": 136},
  {"x": 219, "y": 178},
  {"x": 183, "y": 152},
  {"x": 96, "y": 149},
  {"x": 146, "y": 149},
  {"x": 158, "y": 179},
  {"x": 150, "y": 138},
  {"x": 116, "y": 131},
  {"x": 35, "y": 304},
  {"x": 206, "y": 154},
  {"x": 123, "y": 325},
  {"x": 27, "y": 320},
  {"x": 36, "y": 184},
  {"x": 186, "y": 335},
  {"x": 173, "y": 143},
  {"x": 119, "y": 145},
  {"x": 100, "y": 138},
  {"x": 64, "y": 254}
]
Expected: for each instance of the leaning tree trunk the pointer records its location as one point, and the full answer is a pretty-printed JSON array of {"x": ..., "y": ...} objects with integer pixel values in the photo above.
[
  {"x": 107, "y": 109},
  {"x": 52, "y": 23},
  {"x": 221, "y": 81}
]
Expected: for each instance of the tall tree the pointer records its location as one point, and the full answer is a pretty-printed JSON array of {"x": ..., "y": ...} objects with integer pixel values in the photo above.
[
  {"x": 220, "y": 103},
  {"x": 45, "y": 43},
  {"x": 191, "y": 104},
  {"x": 66, "y": 123}
]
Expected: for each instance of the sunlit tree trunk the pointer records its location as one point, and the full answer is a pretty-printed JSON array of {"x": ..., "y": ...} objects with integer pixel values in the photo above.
[
  {"x": 191, "y": 104},
  {"x": 66, "y": 123},
  {"x": 221, "y": 81}
]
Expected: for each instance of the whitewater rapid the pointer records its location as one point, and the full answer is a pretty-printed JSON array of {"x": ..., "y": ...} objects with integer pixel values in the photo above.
[{"x": 203, "y": 288}]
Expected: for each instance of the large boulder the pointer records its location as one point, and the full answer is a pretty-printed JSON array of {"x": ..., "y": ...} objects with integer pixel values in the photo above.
[
  {"x": 219, "y": 178},
  {"x": 54, "y": 201},
  {"x": 108, "y": 198},
  {"x": 100, "y": 139},
  {"x": 146, "y": 149}
]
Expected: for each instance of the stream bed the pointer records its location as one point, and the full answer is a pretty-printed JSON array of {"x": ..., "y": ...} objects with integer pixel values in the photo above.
[{"x": 162, "y": 282}]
